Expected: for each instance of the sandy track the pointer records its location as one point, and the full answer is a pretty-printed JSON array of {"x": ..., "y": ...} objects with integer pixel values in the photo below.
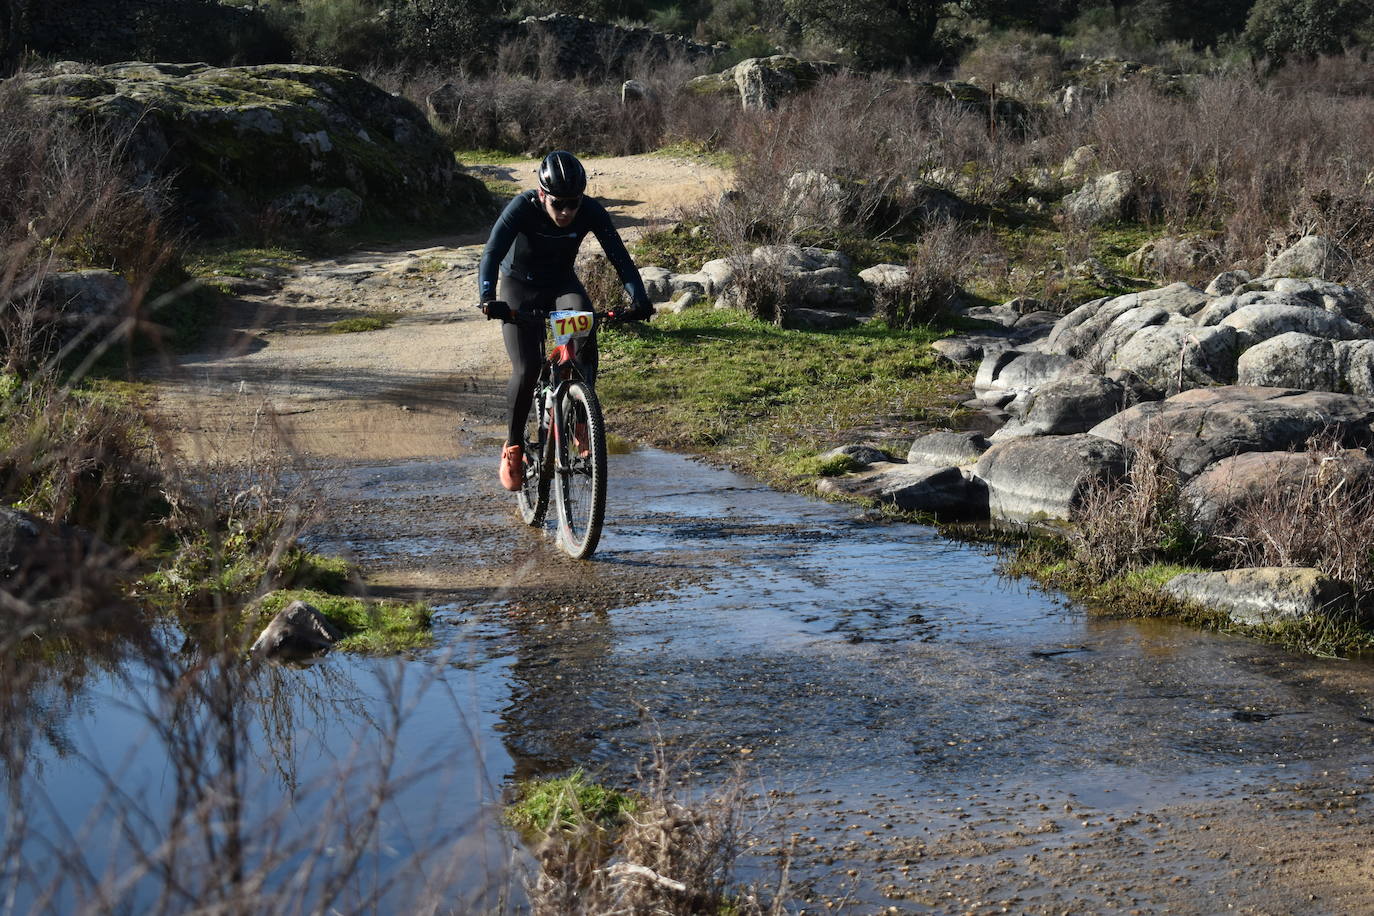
[{"x": 418, "y": 388}]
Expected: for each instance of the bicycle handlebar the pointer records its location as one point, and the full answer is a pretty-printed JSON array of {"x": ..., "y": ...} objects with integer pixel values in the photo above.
[{"x": 502, "y": 310}]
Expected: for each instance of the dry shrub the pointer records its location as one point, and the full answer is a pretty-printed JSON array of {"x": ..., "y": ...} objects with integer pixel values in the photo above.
[
  {"x": 1017, "y": 63},
  {"x": 1131, "y": 522},
  {"x": 945, "y": 258},
  {"x": 1325, "y": 521},
  {"x": 521, "y": 106},
  {"x": 67, "y": 200},
  {"x": 670, "y": 857}
]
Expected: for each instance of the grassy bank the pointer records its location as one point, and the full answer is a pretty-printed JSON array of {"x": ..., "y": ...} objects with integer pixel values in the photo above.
[{"x": 767, "y": 400}]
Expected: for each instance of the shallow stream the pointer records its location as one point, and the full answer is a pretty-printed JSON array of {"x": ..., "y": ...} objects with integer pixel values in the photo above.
[{"x": 920, "y": 733}]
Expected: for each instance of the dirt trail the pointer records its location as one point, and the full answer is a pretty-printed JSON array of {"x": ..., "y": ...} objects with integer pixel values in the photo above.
[{"x": 406, "y": 390}]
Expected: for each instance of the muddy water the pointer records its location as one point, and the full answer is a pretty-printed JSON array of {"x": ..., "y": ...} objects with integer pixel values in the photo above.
[{"x": 922, "y": 734}]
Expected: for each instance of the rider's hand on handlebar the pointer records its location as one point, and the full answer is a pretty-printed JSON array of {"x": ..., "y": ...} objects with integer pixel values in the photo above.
[{"x": 495, "y": 309}]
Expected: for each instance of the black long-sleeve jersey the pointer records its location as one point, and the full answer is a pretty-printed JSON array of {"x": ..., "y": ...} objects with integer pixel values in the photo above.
[{"x": 530, "y": 247}]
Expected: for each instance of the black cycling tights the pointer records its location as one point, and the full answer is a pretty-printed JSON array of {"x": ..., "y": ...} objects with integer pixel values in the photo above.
[{"x": 525, "y": 342}]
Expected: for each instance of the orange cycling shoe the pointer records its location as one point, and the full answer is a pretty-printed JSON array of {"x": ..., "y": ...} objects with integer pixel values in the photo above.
[{"x": 512, "y": 467}]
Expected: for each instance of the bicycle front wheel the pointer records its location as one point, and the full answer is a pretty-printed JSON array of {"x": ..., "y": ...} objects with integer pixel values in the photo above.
[
  {"x": 533, "y": 496},
  {"x": 580, "y": 470}
]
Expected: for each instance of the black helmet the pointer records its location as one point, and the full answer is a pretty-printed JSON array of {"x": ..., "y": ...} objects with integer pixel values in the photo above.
[{"x": 561, "y": 175}]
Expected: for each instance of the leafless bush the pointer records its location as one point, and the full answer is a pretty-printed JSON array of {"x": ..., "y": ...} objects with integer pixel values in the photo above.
[
  {"x": 1324, "y": 520},
  {"x": 1021, "y": 64},
  {"x": 66, "y": 199},
  {"x": 945, "y": 258},
  {"x": 1131, "y": 522},
  {"x": 671, "y": 857}
]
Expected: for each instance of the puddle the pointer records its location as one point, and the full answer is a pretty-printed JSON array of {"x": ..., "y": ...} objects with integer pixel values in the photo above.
[{"x": 874, "y": 677}]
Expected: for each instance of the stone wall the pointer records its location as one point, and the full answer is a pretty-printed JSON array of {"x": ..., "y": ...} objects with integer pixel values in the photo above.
[
  {"x": 577, "y": 46},
  {"x": 104, "y": 31}
]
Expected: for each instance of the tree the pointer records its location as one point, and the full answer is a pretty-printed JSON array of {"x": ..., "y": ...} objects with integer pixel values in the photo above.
[
  {"x": 441, "y": 31},
  {"x": 1199, "y": 22},
  {"x": 1050, "y": 16},
  {"x": 1284, "y": 29},
  {"x": 877, "y": 33}
]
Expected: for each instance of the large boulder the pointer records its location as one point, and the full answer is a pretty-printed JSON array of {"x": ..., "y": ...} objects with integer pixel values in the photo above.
[
  {"x": 1291, "y": 360},
  {"x": 1311, "y": 256},
  {"x": 1011, "y": 372},
  {"x": 1263, "y": 320},
  {"x": 237, "y": 142},
  {"x": 946, "y": 448},
  {"x": 1179, "y": 355},
  {"x": 1046, "y": 477},
  {"x": 1267, "y": 594},
  {"x": 943, "y": 491},
  {"x": 761, "y": 82},
  {"x": 298, "y": 630},
  {"x": 1200, "y": 427},
  {"x": 1069, "y": 405},
  {"x": 1215, "y": 495},
  {"x": 1106, "y": 199}
]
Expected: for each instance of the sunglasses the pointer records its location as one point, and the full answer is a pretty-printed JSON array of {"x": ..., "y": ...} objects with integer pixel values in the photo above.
[{"x": 565, "y": 203}]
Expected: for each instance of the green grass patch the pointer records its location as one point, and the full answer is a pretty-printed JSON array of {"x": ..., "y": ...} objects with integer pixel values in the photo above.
[
  {"x": 719, "y": 382},
  {"x": 235, "y": 564},
  {"x": 698, "y": 152},
  {"x": 369, "y": 627},
  {"x": 816, "y": 466},
  {"x": 681, "y": 249},
  {"x": 238, "y": 260},
  {"x": 1138, "y": 593},
  {"x": 567, "y": 804},
  {"x": 372, "y": 321},
  {"x": 487, "y": 157}
]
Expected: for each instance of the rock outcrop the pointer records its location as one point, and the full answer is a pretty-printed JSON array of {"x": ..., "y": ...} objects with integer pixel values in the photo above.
[{"x": 299, "y": 146}]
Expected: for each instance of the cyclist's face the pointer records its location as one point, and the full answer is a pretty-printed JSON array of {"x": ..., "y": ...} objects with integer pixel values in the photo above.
[{"x": 561, "y": 210}]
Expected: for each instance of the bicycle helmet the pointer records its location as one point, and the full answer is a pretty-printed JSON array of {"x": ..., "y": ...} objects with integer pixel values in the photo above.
[{"x": 561, "y": 175}]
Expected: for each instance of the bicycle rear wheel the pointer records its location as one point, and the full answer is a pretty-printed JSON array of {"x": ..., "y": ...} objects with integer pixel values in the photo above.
[
  {"x": 580, "y": 470},
  {"x": 533, "y": 496}
]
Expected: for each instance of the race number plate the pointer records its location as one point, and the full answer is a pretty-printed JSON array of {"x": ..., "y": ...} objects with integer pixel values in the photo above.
[{"x": 568, "y": 325}]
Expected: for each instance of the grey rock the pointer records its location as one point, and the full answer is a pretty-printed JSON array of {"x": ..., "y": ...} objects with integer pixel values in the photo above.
[
  {"x": 860, "y": 454},
  {"x": 914, "y": 488},
  {"x": 969, "y": 349},
  {"x": 1177, "y": 298},
  {"x": 817, "y": 319},
  {"x": 1200, "y": 427},
  {"x": 1264, "y": 594},
  {"x": 998, "y": 314},
  {"x": 1179, "y": 355},
  {"x": 886, "y": 277},
  {"x": 316, "y": 208},
  {"x": 682, "y": 301},
  {"x": 80, "y": 298},
  {"x": 813, "y": 198},
  {"x": 1067, "y": 333},
  {"x": 1074, "y": 405},
  {"x": 1227, "y": 281},
  {"x": 298, "y": 629},
  {"x": 1017, "y": 370},
  {"x": 658, "y": 282},
  {"x": 946, "y": 448},
  {"x": 633, "y": 92},
  {"x": 1263, "y": 320},
  {"x": 1162, "y": 255},
  {"x": 1122, "y": 329},
  {"x": 1311, "y": 256},
  {"x": 1105, "y": 199},
  {"x": 1045, "y": 477},
  {"x": 719, "y": 274},
  {"x": 1214, "y": 497},
  {"x": 697, "y": 283},
  {"x": 1291, "y": 360},
  {"x": 1355, "y": 359},
  {"x": 1081, "y": 163}
]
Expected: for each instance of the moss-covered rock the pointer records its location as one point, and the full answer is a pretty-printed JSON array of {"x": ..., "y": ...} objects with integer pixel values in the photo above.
[{"x": 238, "y": 141}]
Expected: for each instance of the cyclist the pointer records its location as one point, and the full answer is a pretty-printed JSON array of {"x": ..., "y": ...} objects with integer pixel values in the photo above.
[{"x": 535, "y": 241}]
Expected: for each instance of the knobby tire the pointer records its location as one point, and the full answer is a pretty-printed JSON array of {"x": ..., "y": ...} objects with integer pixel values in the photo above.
[
  {"x": 581, "y": 489},
  {"x": 533, "y": 496}
]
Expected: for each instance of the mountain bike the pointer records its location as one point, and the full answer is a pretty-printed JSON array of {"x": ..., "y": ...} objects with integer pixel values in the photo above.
[{"x": 565, "y": 439}]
